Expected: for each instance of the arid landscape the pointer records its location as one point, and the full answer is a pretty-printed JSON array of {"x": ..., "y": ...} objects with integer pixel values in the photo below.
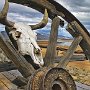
[{"x": 80, "y": 70}]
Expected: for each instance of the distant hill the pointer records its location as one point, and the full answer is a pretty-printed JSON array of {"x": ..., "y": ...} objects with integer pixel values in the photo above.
[
  {"x": 39, "y": 36},
  {"x": 42, "y": 37}
]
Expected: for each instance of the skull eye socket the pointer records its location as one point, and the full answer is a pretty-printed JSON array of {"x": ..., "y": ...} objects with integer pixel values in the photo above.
[
  {"x": 13, "y": 28},
  {"x": 17, "y": 34},
  {"x": 37, "y": 51}
]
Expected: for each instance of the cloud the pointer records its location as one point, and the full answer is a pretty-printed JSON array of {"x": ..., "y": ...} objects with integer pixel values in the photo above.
[
  {"x": 1, "y": 4},
  {"x": 21, "y": 8},
  {"x": 79, "y": 8},
  {"x": 75, "y": 5}
]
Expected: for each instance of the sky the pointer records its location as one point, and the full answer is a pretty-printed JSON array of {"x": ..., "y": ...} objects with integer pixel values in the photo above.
[{"x": 79, "y": 8}]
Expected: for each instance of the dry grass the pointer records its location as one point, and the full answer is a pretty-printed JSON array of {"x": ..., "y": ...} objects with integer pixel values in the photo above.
[{"x": 80, "y": 70}]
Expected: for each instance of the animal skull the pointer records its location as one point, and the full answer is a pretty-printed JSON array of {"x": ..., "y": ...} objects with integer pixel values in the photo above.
[
  {"x": 26, "y": 41},
  {"x": 24, "y": 35}
]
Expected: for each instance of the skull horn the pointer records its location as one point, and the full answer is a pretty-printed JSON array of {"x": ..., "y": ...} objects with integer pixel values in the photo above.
[
  {"x": 43, "y": 23},
  {"x": 3, "y": 15}
]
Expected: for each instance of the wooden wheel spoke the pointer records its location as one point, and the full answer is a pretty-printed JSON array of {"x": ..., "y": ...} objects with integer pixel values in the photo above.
[
  {"x": 23, "y": 66},
  {"x": 75, "y": 30},
  {"x": 66, "y": 58},
  {"x": 51, "y": 48}
]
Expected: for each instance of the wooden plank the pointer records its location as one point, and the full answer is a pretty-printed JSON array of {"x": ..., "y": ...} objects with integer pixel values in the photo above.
[
  {"x": 6, "y": 66},
  {"x": 15, "y": 77},
  {"x": 73, "y": 58},
  {"x": 66, "y": 58},
  {"x": 15, "y": 73},
  {"x": 3, "y": 87},
  {"x": 10, "y": 75},
  {"x": 7, "y": 82},
  {"x": 51, "y": 48},
  {"x": 23, "y": 66},
  {"x": 20, "y": 81}
]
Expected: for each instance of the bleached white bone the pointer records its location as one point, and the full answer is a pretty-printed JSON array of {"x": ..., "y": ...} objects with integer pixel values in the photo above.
[{"x": 27, "y": 42}]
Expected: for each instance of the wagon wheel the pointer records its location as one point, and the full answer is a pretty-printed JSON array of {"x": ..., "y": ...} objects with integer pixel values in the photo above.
[
  {"x": 55, "y": 9},
  {"x": 75, "y": 28},
  {"x": 54, "y": 78},
  {"x": 51, "y": 79}
]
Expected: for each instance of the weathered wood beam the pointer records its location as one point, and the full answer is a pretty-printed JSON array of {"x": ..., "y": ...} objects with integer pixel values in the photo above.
[
  {"x": 75, "y": 30},
  {"x": 73, "y": 58},
  {"x": 20, "y": 81},
  {"x": 7, "y": 66},
  {"x": 51, "y": 48},
  {"x": 23, "y": 66},
  {"x": 70, "y": 29},
  {"x": 66, "y": 58},
  {"x": 40, "y": 4},
  {"x": 78, "y": 28}
]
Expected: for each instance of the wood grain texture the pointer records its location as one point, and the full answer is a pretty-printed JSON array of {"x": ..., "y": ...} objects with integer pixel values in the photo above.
[
  {"x": 7, "y": 82},
  {"x": 66, "y": 58},
  {"x": 23, "y": 66},
  {"x": 86, "y": 38},
  {"x": 6, "y": 66},
  {"x": 51, "y": 48}
]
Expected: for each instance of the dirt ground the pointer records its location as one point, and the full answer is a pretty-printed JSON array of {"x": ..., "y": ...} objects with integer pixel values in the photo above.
[{"x": 80, "y": 70}]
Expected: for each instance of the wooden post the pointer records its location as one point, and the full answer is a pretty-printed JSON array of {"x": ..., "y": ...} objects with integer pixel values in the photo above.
[
  {"x": 23, "y": 66},
  {"x": 66, "y": 58},
  {"x": 51, "y": 48}
]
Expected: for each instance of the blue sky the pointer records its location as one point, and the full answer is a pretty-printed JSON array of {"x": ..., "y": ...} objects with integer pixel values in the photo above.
[{"x": 19, "y": 13}]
